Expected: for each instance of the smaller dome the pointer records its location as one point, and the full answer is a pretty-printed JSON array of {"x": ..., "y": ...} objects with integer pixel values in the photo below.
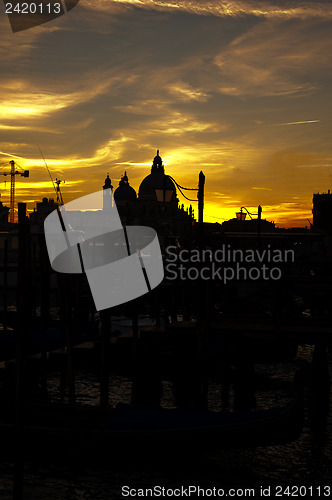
[
  {"x": 124, "y": 192},
  {"x": 108, "y": 183}
]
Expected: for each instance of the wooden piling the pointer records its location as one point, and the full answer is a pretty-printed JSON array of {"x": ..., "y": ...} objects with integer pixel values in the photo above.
[
  {"x": 5, "y": 285},
  {"x": 65, "y": 296},
  {"x": 22, "y": 334},
  {"x": 202, "y": 320},
  {"x": 320, "y": 390},
  {"x": 105, "y": 318},
  {"x": 44, "y": 272},
  {"x": 135, "y": 355}
]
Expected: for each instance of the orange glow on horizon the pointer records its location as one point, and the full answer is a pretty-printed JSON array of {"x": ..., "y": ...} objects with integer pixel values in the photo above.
[{"x": 217, "y": 207}]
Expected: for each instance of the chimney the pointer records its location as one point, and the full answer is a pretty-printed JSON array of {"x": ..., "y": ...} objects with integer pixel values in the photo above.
[{"x": 22, "y": 210}]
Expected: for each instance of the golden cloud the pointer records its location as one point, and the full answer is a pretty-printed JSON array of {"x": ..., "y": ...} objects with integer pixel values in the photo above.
[
  {"x": 184, "y": 92},
  {"x": 275, "y": 58},
  {"x": 33, "y": 103},
  {"x": 231, "y": 8}
]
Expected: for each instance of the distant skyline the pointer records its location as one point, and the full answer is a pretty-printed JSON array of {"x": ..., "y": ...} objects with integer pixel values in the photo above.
[{"x": 239, "y": 89}]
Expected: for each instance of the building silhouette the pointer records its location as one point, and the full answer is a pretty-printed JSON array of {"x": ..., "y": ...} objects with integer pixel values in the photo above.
[
  {"x": 156, "y": 205},
  {"x": 322, "y": 212},
  {"x": 4, "y": 211},
  {"x": 42, "y": 210}
]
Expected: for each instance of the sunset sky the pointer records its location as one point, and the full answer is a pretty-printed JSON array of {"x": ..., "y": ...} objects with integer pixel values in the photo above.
[{"x": 240, "y": 89}]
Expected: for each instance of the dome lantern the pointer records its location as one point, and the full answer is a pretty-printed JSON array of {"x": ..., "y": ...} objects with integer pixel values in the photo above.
[
  {"x": 157, "y": 183},
  {"x": 108, "y": 183},
  {"x": 157, "y": 165}
]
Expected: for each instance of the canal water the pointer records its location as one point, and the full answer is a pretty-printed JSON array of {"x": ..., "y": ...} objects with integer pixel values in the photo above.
[{"x": 305, "y": 462}]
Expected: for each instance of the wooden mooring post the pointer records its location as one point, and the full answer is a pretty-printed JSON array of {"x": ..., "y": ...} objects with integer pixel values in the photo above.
[
  {"x": 65, "y": 298},
  {"x": 22, "y": 334},
  {"x": 5, "y": 285},
  {"x": 320, "y": 389},
  {"x": 105, "y": 318},
  {"x": 44, "y": 273}
]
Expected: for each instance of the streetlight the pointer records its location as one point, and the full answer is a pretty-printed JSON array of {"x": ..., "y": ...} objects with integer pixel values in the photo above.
[
  {"x": 165, "y": 195},
  {"x": 242, "y": 215}
]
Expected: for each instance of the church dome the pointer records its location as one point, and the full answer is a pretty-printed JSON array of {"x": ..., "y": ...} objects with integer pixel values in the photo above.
[
  {"x": 124, "y": 192},
  {"x": 156, "y": 180},
  {"x": 108, "y": 183}
]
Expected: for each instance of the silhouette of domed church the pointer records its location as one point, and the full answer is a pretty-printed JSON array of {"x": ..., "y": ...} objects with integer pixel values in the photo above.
[{"x": 156, "y": 205}]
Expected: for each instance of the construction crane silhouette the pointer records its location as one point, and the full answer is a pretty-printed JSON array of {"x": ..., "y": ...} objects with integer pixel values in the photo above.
[
  {"x": 13, "y": 172},
  {"x": 59, "y": 198},
  {"x": 57, "y": 182}
]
